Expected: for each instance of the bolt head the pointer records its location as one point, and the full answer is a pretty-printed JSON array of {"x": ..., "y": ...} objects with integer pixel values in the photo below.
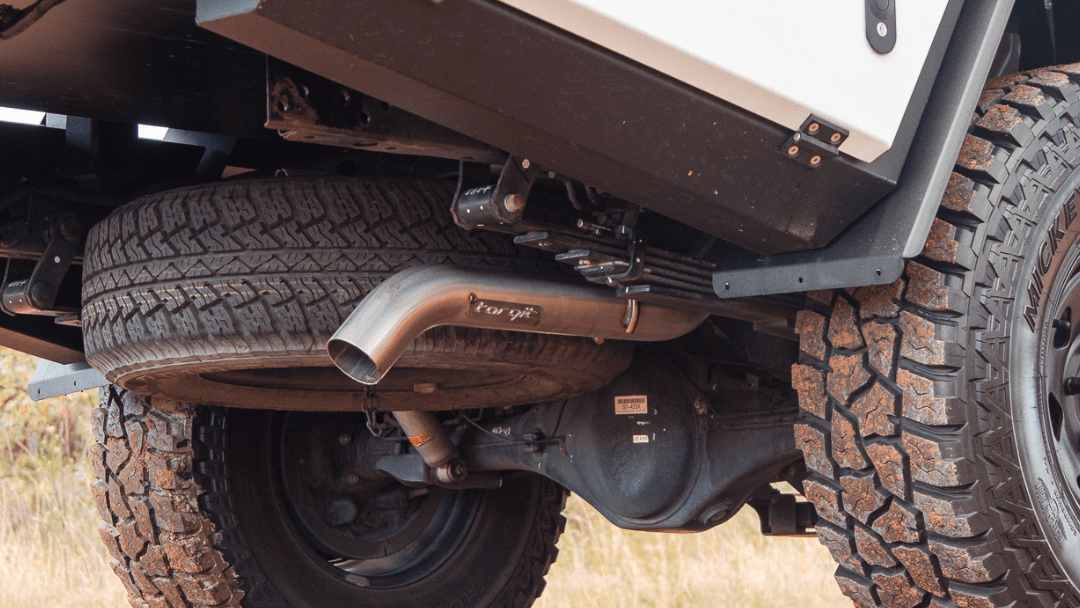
[
  {"x": 514, "y": 203},
  {"x": 344, "y": 439},
  {"x": 815, "y": 160},
  {"x": 835, "y": 137},
  {"x": 882, "y": 29},
  {"x": 525, "y": 164},
  {"x": 813, "y": 128},
  {"x": 342, "y": 512},
  {"x": 793, "y": 150}
]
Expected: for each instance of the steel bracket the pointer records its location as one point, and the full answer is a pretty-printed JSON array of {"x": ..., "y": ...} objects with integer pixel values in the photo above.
[
  {"x": 501, "y": 204},
  {"x": 37, "y": 295}
]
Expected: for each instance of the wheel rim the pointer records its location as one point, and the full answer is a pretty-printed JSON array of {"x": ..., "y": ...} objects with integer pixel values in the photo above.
[
  {"x": 391, "y": 536},
  {"x": 1044, "y": 417},
  {"x": 1061, "y": 416}
]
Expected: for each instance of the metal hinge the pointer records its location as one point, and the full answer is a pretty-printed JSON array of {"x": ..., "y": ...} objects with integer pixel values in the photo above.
[{"x": 816, "y": 141}]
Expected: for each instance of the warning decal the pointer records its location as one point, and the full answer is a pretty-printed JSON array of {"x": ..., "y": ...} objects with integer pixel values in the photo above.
[{"x": 632, "y": 404}]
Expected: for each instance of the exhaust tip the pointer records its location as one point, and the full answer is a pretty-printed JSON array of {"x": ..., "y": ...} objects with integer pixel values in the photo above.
[{"x": 353, "y": 361}]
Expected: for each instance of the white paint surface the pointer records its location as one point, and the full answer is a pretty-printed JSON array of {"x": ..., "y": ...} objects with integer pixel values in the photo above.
[{"x": 780, "y": 59}]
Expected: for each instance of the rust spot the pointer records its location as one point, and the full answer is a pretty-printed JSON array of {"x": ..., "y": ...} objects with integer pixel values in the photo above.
[
  {"x": 989, "y": 97},
  {"x": 117, "y": 500},
  {"x": 861, "y": 496},
  {"x": 919, "y": 342},
  {"x": 845, "y": 444},
  {"x": 920, "y": 565},
  {"x": 826, "y": 500},
  {"x": 920, "y": 403},
  {"x": 940, "y": 245},
  {"x": 929, "y": 464},
  {"x": 976, "y": 154},
  {"x": 843, "y": 333},
  {"x": 847, "y": 376},
  {"x": 875, "y": 410},
  {"x": 960, "y": 194},
  {"x": 857, "y": 589},
  {"x": 810, "y": 383},
  {"x": 926, "y": 287},
  {"x": 895, "y": 589},
  {"x": 972, "y": 597},
  {"x": 940, "y": 517},
  {"x": 898, "y": 524},
  {"x": 1000, "y": 119},
  {"x": 880, "y": 301},
  {"x": 814, "y": 446},
  {"x": 840, "y": 544},
  {"x": 153, "y": 561},
  {"x": 965, "y": 562},
  {"x": 1027, "y": 97},
  {"x": 889, "y": 462},
  {"x": 811, "y": 329},
  {"x": 881, "y": 343},
  {"x": 872, "y": 549}
]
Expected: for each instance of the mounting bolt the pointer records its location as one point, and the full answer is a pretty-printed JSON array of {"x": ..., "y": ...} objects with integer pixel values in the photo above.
[
  {"x": 342, "y": 512},
  {"x": 1072, "y": 386},
  {"x": 344, "y": 439},
  {"x": 882, "y": 29},
  {"x": 43, "y": 294},
  {"x": 525, "y": 164},
  {"x": 815, "y": 160},
  {"x": 835, "y": 137},
  {"x": 514, "y": 202},
  {"x": 451, "y": 472},
  {"x": 793, "y": 150},
  {"x": 813, "y": 128},
  {"x": 70, "y": 228}
]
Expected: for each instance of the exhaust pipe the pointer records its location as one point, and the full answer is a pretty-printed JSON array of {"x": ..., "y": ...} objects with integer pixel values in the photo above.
[{"x": 415, "y": 300}]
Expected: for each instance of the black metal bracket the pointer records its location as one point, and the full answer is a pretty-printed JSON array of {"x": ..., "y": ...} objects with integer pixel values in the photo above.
[
  {"x": 308, "y": 108},
  {"x": 499, "y": 204},
  {"x": 599, "y": 267},
  {"x": 881, "y": 25},
  {"x": 872, "y": 251},
  {"x": 816, "y": 141},
  {"x": 37, "y": 295}
]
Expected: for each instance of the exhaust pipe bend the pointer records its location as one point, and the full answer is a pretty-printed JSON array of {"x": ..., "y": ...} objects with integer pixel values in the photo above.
[{"x": 415, "y": 300}]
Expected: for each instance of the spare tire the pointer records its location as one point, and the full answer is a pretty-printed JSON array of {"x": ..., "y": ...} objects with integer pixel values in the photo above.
[{"x": 226, "y": 293}]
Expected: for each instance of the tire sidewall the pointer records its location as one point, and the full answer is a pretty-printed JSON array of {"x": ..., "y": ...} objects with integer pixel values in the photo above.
[{"x": 1051, "y": 250}]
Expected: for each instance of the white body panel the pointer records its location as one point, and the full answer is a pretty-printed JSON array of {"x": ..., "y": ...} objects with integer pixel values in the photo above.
[{"x": 780, "y": 59}]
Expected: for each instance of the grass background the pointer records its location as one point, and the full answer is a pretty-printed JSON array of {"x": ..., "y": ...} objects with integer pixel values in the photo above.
[{"x": 51, "y": 554}]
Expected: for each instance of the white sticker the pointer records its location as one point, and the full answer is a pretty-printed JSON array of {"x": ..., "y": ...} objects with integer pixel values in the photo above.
[
  {"x": 632, "y": 404},
  {"x": 641, "y": 439}
]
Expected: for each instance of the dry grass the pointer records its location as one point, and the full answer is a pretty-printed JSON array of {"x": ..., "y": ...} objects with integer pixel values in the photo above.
[
  {"x": 51, "y": 555},
  {"x": 50, "y": 551},
  {"x": 600, "y": 566}
]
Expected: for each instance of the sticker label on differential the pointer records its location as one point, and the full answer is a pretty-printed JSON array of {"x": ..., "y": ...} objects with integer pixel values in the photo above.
[
  {"x": 632, "y": 404},
  {"x": 641, "y": 439}
]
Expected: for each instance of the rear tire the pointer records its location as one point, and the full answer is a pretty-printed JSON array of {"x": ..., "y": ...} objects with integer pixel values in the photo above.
[
  {"x": 196, "y": 515},
  {"x": 225, "y": 294},
  {"x": 943, "y": 443}
]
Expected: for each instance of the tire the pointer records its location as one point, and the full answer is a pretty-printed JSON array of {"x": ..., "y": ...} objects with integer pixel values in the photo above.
[
  {"x": 195, "y": 515},
  {"x": 225, "y": 294},
  {"x": 943, "y": 446}
]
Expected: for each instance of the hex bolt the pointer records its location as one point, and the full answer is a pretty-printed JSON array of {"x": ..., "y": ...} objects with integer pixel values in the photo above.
[
  {"x": 514, "y": 203},
  {"x": 1072, "y": 386},
  {"x": 451, "y": 472},
  {"x": 342, "y": 512}
]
